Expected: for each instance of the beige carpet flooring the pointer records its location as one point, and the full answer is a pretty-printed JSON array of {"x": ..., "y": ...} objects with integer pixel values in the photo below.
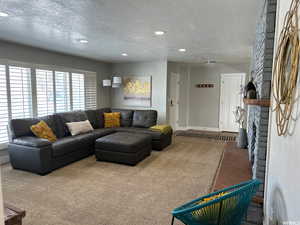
[{"x": 98, "y": 193}]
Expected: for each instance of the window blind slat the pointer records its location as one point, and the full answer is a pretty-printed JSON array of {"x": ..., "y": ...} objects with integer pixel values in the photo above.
[
  {"x": 20, "y": 91},
  {"x": 45, "y": 92},
  {"x": 62, "y": 87},
  {"x": 3, "y": 106},
  {"x": 78, "y": 91}
]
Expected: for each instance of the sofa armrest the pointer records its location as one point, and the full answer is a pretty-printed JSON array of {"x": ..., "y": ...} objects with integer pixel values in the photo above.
[
  {"x": 34, "y": 159},
  {"x": 31, "y": 141}
]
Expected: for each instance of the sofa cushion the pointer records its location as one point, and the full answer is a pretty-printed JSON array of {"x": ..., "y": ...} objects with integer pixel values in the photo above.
[
  {"x": 126, "y": 116},
  {"x": 21, "y": 127},
  {"x": 154, "y": 134},
  {"x": 68, "y": 117},
  {"x": 80, "y": 127},
  {"x": 93, "y": 118},
  {"x": 100, "y": 116},
  {"x": 51, "y": 121},
  {"x": 42, "y": 130},
  {"x": 98, "y": 133},
  {"x": 123, "y": 142},
  {"x": 144, "y": 118},
  {"x": 70, "y": 144}
]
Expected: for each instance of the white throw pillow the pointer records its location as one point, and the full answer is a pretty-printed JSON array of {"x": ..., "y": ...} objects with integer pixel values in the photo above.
[{"x": 79, "y": 127}]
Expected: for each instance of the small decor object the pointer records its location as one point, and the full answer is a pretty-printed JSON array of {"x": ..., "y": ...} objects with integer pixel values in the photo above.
[
  {"x": 205, "y": 86},
  {"x": 112, "y": 120},
  {"x": 115, "y": 83},
  {"x": 250, "y": 90},
  {"x": 137, "y": 91},
  {"x": 81, "y": 127},
  {"x": 286, "y": 69},
  {"x": 240, "y": 118},
  {"x": 165, "y": 129},
  {"x": 106, "y": 83},
  {"x": 42, "y": 130}
]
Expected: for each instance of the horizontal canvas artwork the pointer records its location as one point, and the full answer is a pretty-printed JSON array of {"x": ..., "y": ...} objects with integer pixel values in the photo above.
[{"x": 137, "y": 91}]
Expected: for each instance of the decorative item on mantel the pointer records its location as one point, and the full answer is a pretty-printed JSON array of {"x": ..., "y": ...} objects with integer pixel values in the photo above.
[
  {"x": 240, "y": 118},
  {"x": 115, "y": 83},
  {"x": 286, "y": 68},
  {"x": 250, "y": 90}
]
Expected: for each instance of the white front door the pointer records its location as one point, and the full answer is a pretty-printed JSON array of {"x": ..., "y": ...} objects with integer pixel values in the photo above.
[
  {"x": 230, "y": 98},
  {"x": 173, "y": 100}
]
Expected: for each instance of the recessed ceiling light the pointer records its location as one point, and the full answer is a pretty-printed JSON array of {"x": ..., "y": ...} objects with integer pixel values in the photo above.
[
  {"x": 159, "y": 32},
  {"x": 83, "y": 41},
  {"x": 124, "y": 54},
  {"x": 3, "y": 14},
  {"x": 182, "y": 50}
]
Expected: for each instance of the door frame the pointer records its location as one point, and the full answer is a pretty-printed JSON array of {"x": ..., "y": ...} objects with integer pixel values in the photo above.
[
  {"x": 177, "y": 89},
  {"x": 243, "y": 75}
]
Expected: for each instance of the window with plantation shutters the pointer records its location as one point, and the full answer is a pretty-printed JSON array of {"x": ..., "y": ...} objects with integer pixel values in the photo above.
[
  {"x": 20, "y": 92},
  {"x": 3, "y": 106},
  {"x": 62, "y": 91},
  {"x": 90, "y": 83},
  {"x": 44, "y": 92},
  {"x": 78, "y": 95}
]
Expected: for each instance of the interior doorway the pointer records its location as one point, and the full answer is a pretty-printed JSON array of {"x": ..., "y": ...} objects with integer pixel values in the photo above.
[
  {"x": 230, "y": 98},
  {"x": 173, "y": 100}
]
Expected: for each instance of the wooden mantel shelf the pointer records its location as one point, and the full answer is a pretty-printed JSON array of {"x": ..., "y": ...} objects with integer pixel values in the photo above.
[{"x": 258, "y": 102}]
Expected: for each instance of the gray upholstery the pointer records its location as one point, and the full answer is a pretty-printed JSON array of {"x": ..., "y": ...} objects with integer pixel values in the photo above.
[
  {"x": 102, "y": 132},
  {"x": 31, "y": 141},
  {"x": 126, "y": 116},
  {"x": 100, "y": 116},
  {"x": 144, "y": 118},
  {"x": 70, "y": 144},
  {"x": 21, "y": 127},
  {"x": 122, "y": 147},
  {"x": 67, "y": 117},
  {"x": 40, "y": 156},
  {"x": 123, "y": 142}
]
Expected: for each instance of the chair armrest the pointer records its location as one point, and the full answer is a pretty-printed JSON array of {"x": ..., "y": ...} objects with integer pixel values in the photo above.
[{"x": 31, "y": 141}]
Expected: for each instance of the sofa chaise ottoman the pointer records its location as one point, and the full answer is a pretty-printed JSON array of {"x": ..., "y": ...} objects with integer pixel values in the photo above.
[{"x": 123, "y": 147}]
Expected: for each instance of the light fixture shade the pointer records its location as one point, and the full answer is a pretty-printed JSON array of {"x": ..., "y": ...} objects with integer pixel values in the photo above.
[
  {"x": 114, "y": 85},
  {"x": 117, "y": 80},
  {"x": 106, "y": 83}
]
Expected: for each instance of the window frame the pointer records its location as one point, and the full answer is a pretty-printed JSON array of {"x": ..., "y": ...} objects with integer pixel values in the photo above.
[{"x": 33, "y": 67}]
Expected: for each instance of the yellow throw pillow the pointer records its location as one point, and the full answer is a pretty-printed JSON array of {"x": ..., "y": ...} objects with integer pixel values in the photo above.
[
  {"x": 42, "y": 130},
  {"x": 112, "y": 119}
]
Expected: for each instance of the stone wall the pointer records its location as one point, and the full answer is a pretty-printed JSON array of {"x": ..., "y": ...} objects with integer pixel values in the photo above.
[{"x": 258, "y": 116}]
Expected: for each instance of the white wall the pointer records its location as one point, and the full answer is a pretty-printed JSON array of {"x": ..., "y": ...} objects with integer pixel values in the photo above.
[
  {"x": 158, "y": 71},
  {"x": 33, "y": 55},
  {"x": 283, "y": 158},
  {"x": 199, "y": 107}
]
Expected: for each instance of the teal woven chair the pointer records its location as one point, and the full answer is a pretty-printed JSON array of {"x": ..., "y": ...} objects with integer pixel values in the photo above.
[{"x": 224, "y": 207}]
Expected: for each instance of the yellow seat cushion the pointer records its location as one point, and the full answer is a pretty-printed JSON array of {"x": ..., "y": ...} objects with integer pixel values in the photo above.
[
  {"x": 112, "y": 119},
  {"x": 42, "y": 130},
  {"x": 165, "y": 129}
]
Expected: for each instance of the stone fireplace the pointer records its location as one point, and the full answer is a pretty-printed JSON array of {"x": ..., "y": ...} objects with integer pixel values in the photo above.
[{"x": 258, "y": 114}]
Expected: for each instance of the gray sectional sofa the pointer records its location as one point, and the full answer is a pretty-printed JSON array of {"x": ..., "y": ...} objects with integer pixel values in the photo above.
[{"x": 40, "y": 156}]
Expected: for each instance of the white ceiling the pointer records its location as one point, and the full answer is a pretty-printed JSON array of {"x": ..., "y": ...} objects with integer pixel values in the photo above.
[{"x": 221, "y": 30}]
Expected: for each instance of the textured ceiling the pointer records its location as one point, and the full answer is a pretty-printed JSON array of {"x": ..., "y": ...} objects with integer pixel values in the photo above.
[{"x": 221, "y": 30}]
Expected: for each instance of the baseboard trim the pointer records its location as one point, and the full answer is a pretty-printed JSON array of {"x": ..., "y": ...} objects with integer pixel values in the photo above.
[{"x": 216, "y": 129}]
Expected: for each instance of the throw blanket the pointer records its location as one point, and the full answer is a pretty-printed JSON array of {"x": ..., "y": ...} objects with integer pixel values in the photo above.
[{"x": 165, "y": 129}]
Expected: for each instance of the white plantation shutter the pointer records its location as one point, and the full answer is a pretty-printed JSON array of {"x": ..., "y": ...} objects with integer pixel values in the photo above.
[
  {"x": 62, "y": 91},
  {"x": 20, "y": 92},
  {"x": 3, "y": 106},
  {"x": 45, "y": 92},
  {"x": 90, "y": 82},
  {"x": 78, "y": 91}
]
